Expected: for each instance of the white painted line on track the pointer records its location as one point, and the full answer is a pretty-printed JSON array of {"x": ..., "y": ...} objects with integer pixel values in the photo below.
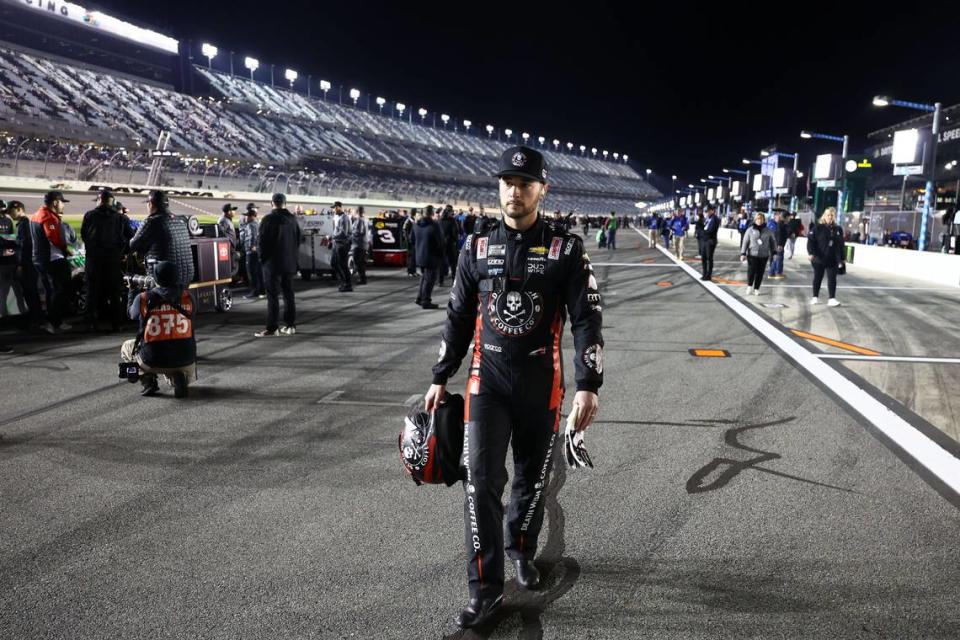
[
  {"x": 934, "y": 458},
  {"x": 852, "y": 286},
  {"x": 920, "y": 359},
  {"x": 634, "y": 264}
]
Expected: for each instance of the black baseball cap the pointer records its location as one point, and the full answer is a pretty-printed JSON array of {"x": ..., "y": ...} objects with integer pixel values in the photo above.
[
  {"x": 54, "y": 195},
  {"x": 158, "y": 198},
  {"x": 252, "y": 206},
  {"x": 229, "y": 207},
  {"x": 106, "y": 194},
  {"x": 250, "y": 212},
  {"x": 523, "y": 162},
  {"x": 337, "y": 204}
]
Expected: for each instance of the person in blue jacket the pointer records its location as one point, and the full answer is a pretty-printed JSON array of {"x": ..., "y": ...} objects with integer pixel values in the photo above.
[
  {"x": 678, "y": 231},
  {"x": 653, "y": 226}
]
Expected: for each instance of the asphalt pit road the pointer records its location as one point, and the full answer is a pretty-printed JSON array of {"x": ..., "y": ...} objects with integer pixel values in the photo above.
[{"x": 723, "y": 470}]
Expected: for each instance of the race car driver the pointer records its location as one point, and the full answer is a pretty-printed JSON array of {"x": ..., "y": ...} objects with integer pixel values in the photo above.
[{"x": 516, "y": 282}]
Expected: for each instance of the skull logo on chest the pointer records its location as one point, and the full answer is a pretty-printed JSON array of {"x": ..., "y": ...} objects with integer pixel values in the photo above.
[{"x": 515, "y": 313}]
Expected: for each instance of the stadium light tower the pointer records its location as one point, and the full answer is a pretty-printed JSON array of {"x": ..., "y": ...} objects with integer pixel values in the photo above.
[
  {"x": 466, "y": 125},
  {"x": 508, "y": 133},
  {"x": 649, "y": 171},
  {"x": 569, "y": 146},
  {"x": 541, "y": 140},
  {"x": 400, "y": 109},
  {"x": 423, "y": 114},
  {"x": 210, "y": 52},
  {"x": 583, "y": 149},
  {"x": 605, "y": 154},
  {"x": 525, "y": 136},
  {"x": 929, "y": 194},
  {"x": 556, "y": 144},
  {"x": 593, "y": 150},
  {"x": 380, "y": 102},
  {"x": 807, "y": 135},
  {"x": 445, "y": 119},
  {"x": 252, "y": 64},
  {"x": 355, "y": 94},
  {"x": 489, "y": 130},
  {"x": 291, "y": 76},
  {"x": 324, "y": 86},
  {"x": 616, "y": 156},
  {"x": 625, "y": 157}
]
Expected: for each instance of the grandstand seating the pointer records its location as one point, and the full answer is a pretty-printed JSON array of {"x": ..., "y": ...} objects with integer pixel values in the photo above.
[{"x": 258, "y": 123}]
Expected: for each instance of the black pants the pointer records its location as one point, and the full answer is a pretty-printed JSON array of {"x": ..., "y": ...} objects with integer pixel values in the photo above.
[
  {"x": 427, "y": 282},
  {"x": 755, "y": 267},
  {"x": 340, "y": 261},
  {"x": 494, "y": 422},
  {"x": 29, "y": 281},
  {"x": 451, "y": 256},
  {"x": 8, "y": 281},
  {"x": 707, "y": 249},
  {"x": 411, "y": 262},
  {"x": 103, "y": 277},
  {"x": 279, "y": 282},
  {"x": 55, "y": 276},
  {"x": 254, "y": 273},
  {"x": 818, "y": 270},
  {"x": 360, "y": 260}
]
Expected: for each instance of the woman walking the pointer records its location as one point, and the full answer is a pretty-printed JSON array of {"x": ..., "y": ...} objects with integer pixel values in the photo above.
[
  {"x": 826, "y": 249},
  {"x": 757, "y": 246}
]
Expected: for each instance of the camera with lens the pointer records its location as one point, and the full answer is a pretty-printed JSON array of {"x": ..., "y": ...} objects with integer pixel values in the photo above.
[
  {"x": 130, "y": 371},
  {"x": 139, "y": 282}
]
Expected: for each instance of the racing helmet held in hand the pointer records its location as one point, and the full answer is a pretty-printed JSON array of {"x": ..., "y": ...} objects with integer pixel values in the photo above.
[{"x": 431, "y": 443}]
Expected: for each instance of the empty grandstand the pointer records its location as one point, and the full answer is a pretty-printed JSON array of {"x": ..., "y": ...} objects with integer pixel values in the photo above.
[{"x": 69, "y": 120}]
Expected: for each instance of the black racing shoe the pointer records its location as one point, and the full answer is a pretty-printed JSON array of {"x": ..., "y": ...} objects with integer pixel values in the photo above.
[
  {"x": 179, "y": 385},
  {"x": 430, "y": 305},
  {"x": 478, "y": 611},
  {"x": 528, "y": 577},
  {"x": 151, "y": 388}
]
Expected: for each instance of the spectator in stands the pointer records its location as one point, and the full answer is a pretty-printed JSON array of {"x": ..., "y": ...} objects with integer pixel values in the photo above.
[
  {"x": 249, "y": 240},
  {"x": 164, "y": 237},
  {"x": 678, "y": 232},
  {"x": 428, "y": 244},
  {"x": 26, "y": 273},
  {"x": 358, "y": 245},
  {"x": 827, "y": 253},
  {"x": 340, "y": 259},
  {"x": 757, "y": 246},
  {"x": 279, "y": 243},
  {"x": 106, "y": 235},
  {"x": 451, "y": 238},
  {"x": 50, "y": 257},
  {"x": 611, "y": 228}
]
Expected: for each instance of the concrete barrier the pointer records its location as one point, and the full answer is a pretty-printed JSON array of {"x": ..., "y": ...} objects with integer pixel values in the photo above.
[{"x": 936, "y": 268}]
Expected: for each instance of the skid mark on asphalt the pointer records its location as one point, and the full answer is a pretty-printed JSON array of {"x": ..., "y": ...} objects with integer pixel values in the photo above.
[
  {"x": 732, "y": 467},
  {"x": 558, "y": 572}
]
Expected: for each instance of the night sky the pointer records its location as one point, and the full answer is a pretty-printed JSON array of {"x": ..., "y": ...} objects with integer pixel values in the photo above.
[{"x": 681, "y": 89}]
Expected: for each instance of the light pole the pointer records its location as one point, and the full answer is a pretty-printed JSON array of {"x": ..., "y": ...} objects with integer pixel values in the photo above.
[
  {"x": 355, "y": 94},
  {"x": 490, "y": 131},
  {"x": 841, "y": 205},
  {"x": 508, "y": 133},
  {"x": 525, "y": 136},
  {"x": 291, "y": 77},
  {"x": 380, "y": 102},
  {"x": 252, "y": 64},
  {"x": 541, "y": 140},
  {"x": 930, "y": 192},
  {"x": 422, "y": 113},
  {"x": 556, "y": 144},
  {"x": 445, "y": 118},
  {"x": 210, "y": 52},
  {"x": 466, "y": 125},
  {"x": 324, "y": 86}
]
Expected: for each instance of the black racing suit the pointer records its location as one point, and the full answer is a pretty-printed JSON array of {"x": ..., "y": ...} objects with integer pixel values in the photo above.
[{"x": 512, "y": 294}]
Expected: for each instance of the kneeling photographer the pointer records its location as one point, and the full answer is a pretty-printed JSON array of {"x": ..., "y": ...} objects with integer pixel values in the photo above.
[{"x": 164, "y": 344}]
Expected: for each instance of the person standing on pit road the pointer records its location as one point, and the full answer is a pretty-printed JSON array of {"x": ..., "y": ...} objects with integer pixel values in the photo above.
[
  {"x": 653, "y": 229},
  {"x": 779, "y": 229},
  {"x": 26, "y": 273},
  {"x": 279, "y": 246},
  {"x": 50, "y": 255},
  {"x": 106, "y": 235},
  {"x": 827, "y": 253},
  {"x": 611, "y": 226},
  {"x": 794, "y": 231},
  {"x": 708, "y": 242},
  {"x": 428, "y": 244},
  {"x": 451, "y": 235},
  {"x": 678, "y": 231},
  {"x": 407, "y": 231},
  {"x": 8, "y": 263},
  {"x": 250, "y": 240},
  {"x": 164, "y": 237},
  {"x": 340, "y": 258},
  {"x": 358, "y": 245},
  {"x": 757, "y": 246},
  {"x": 523, "y": 278},
  {"x": 743, "y": 223}
]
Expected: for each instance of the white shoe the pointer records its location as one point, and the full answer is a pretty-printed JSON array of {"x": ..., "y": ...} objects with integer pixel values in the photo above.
[
  {"x": 747, "y": 290},
  {"x": 756, "y": 292},
  {"x": 832, "y": 302},
  {"x": 288, "y": 331},
  {"x": 814, "y": 300}
]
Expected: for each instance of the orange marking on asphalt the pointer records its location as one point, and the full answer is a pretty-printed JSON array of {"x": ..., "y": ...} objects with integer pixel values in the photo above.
[
  {"x": 710, "y": 353},
  {"x": 834, "y": 343},
  {"x": 664, "y": 284},
  {"x": 725, "y": 281}
]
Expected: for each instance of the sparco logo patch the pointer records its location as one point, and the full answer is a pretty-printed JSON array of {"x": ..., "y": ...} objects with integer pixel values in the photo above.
[
  {"x": 515, "y": 313},
  {"x": 493, "y": 347}
]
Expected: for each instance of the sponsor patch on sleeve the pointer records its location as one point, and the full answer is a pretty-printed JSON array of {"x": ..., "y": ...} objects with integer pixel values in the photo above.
[
  {"x": 555, "y": 246},
  {"x": 481, "y": 248},
  {"x": 593, "y": 358},
  {"x": 497, "y": 250}
]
